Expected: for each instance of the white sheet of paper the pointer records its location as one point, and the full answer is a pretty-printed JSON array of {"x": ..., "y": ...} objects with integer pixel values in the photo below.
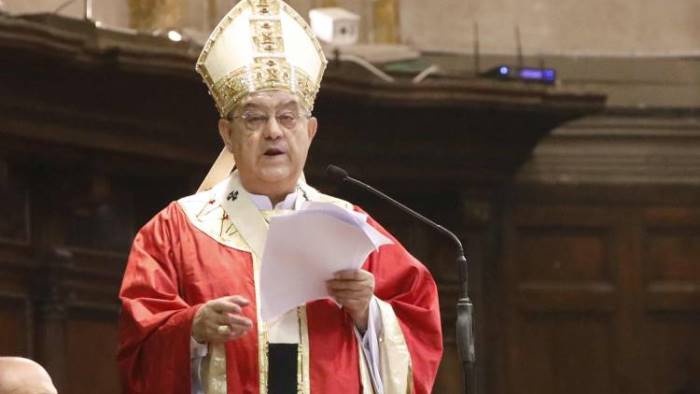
[{"x": 305, "y": 248}]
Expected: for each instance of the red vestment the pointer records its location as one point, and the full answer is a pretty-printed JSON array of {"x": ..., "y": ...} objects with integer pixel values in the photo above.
[{"x": 174, "y": 268}]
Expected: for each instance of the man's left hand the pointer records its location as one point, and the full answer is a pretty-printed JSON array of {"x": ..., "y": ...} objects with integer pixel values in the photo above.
[{"x": 353, "y": 290}]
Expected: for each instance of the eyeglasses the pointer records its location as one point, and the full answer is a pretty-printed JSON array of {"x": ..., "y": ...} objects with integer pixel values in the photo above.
[{"x": 255, "y": 121}]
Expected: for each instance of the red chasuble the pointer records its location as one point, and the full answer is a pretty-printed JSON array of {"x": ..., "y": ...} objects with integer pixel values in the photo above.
[{"x": 174, "y": 267}]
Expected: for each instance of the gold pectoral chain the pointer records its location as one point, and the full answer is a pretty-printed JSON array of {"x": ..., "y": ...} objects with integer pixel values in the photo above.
[{"x": 300, "y": 358}]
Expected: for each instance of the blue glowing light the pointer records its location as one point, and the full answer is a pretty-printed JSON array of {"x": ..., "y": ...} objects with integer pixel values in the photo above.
[
  {"x": 505, "y": 72},
  {"x": 537, "y": 74}
]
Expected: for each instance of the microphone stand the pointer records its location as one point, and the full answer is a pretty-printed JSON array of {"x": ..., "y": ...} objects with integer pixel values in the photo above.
[{"x": 465, "y": 335}]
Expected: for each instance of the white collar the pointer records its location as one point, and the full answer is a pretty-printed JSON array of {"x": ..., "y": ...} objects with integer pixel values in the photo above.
[{"x": 263, "y": 202}]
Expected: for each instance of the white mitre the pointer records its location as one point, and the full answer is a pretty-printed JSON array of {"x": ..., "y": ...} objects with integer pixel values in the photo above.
[{"x": 261, "y": 45}]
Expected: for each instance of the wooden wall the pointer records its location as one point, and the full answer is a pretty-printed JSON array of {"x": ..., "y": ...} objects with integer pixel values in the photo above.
[
  {"x": 583, "y": 255},
  {"x": 581, "y": 288},
  {"x": 600, "y": 268},
  {"x": 64, "y": 235},
  {"x": 602, "y": 298}
]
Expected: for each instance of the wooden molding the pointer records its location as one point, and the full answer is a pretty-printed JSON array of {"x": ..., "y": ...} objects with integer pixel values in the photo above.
[{"x": 646, "y": 148}]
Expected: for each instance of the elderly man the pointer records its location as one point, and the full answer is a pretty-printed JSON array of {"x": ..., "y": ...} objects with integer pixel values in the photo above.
[
  {"x": 24, "y": 376},
  {"x": 191, "y": 314}
]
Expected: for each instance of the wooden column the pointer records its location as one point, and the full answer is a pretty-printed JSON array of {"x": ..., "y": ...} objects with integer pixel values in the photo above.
[
  {"x": 148, "y": 15},
  {"x": 386, "y": 27}
]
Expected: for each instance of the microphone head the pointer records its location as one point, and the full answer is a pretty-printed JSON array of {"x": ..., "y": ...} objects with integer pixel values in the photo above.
[{"x": 336, "y": 173}]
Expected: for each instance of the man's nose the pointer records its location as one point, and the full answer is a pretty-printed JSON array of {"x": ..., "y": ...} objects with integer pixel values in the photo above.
[{"x": 273, "y": 130}]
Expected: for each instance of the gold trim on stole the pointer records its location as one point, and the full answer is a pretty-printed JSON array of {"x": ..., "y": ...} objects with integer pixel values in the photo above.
[
  {"x": 214, "y": 370},
  {"x": 303, "y": 377},
  {"x": 394, "y": 357},
  {"x": 365, "y": 378},
  {"x": 263, "y": 349}
]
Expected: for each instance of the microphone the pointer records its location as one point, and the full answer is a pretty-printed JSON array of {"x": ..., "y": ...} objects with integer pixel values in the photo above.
[
  {"x": 465, "y": 338},
  {"x": 339, "y": 175},
  {"x": 336, "y": 173}
]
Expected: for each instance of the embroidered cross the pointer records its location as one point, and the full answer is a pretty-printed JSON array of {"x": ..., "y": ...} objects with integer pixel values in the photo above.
[
  {"x": 232, "y": 196},
  {"x": 223, "y": 219},
  {"x": 204, "y": 208}
]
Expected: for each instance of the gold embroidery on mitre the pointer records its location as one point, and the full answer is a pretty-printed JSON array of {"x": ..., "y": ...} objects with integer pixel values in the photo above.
[
  {"x": 267, "y": 73},
  {"x": 265, "y": 7},
  {"x": 271, "y": 72},
  {"x": 267, "y": 35}
]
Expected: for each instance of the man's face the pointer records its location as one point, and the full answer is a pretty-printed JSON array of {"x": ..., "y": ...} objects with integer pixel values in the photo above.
[{"x": 269, "y": 134}]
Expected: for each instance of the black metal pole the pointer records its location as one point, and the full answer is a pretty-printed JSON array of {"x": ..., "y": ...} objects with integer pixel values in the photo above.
[{"x": 465, "y": 332}]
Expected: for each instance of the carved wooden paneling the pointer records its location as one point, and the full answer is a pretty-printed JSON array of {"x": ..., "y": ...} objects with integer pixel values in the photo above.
[
  {"x": 100, "y": 225},
  {"x": 91, "y": 354},
  {"x": 602, "y": 298},
  {"x": 671, "y": 257},
  {"x": 672, "y": 266},
  {"x": 549, "y": 255},
  {"x": 15, "y": 324},
  {"x": 562, "y": 353},
  {"x": 673, "y": 254},
  {"x": 561, "y": 273},
  {"x": 674, "y": 353},
  {"x": 14, "y": 206},
  {"x": 95, "y": 215},
  {"x": 16, "y": 309},
  {"x": 561, "y": 258}
]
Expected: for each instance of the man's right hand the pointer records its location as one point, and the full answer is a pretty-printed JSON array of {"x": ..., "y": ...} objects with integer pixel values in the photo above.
[{"x": 220, "y": 320}]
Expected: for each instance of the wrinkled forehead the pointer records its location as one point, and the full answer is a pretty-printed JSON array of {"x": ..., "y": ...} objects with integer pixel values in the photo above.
[{"x": 271, "y": 99}]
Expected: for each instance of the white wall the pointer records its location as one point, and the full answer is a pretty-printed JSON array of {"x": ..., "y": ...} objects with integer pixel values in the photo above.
[
  {"x": 597, "y": 27},
  {"x": 25, "y": 6},
  {"x": 109, "y": 12},
  {"x": 569, "y": 27}
]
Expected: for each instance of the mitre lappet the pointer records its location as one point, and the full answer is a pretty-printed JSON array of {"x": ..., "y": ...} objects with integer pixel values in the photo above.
[{"x": 259, "y": 45}]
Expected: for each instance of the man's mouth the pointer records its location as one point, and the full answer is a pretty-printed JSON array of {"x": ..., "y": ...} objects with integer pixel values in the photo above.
[{"x": 274, "y": 152}]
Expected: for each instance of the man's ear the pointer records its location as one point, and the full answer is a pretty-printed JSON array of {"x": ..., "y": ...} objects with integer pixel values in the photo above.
[
  {"x": 312, "y": 127},
  {"x": 226, "y": 131}
]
